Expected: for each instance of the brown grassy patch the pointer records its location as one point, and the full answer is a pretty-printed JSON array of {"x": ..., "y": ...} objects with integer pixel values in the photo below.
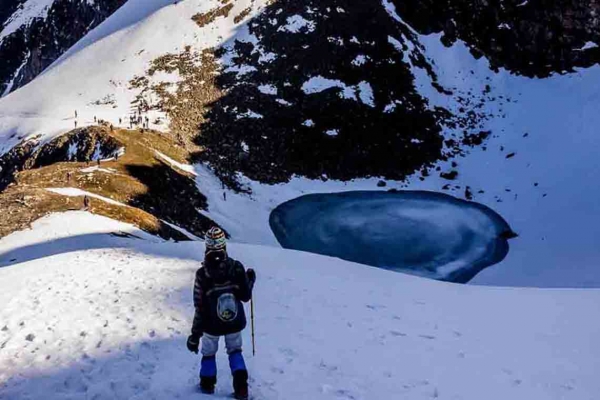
[
  {"x": 204, "y": 19},
  {"x": 241, "y": 16},
  {"x": 150, "y": 189},
  {"x": 186, "y": 106},
  {"x": 23, "y": 206}
]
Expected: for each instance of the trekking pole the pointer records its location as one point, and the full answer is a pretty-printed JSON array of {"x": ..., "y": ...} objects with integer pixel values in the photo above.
[{"x": 252, "y": 323}]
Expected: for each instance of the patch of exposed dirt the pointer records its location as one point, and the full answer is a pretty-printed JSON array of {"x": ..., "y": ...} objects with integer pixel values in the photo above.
[
  {"x": 150, "y": 190},
  {"x": 242, "y": 15},
  {"x": 83, "y": 144},
  {"x": 206, "y": 18},
  {"x": 21, "y": 206},
  {"x": 185, "y": 102}
]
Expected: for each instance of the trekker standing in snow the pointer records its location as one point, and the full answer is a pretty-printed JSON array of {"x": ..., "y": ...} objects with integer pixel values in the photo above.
[{"x": 221, "y": 285}]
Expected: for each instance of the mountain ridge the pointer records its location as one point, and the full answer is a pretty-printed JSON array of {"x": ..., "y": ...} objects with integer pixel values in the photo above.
[{"x": 31, "y": 43}]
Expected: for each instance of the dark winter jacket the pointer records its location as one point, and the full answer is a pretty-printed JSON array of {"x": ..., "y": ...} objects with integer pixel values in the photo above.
[{"x": 218, "y": 303}]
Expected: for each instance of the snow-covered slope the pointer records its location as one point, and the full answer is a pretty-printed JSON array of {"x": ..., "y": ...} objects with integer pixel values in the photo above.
[
  {"x": 536, "y": 169},
  {"x": 87, "y": 314},
  {"x": 93, "y": 77},
  {"x": 34, "y": 33}
]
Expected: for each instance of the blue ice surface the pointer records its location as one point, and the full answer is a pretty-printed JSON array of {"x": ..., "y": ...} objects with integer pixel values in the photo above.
[{"x": 422, "y": 233}]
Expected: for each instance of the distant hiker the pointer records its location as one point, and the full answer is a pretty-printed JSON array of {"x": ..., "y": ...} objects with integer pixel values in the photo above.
[
  {"x": 75, "y": 124},
  {"x": 225, "y": 196},
  {"x": 221, "y": 285},
  {"x": 120, "y": 121},
  {"x": 86, "y": 203},
  {"x": 75, "y": 113}
]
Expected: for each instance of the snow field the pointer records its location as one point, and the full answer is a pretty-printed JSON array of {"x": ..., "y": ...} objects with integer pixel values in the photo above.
[
  {"x": 90, "y": 315},
  {"x": 544, "y": 191}
]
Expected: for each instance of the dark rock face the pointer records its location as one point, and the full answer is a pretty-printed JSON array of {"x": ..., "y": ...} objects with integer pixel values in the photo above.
[
  {"x": 269, "y": 127},
  {"x": 328, "y": 90},
  {"x": 528, "y": 37},
  {"x": 7, "y": 8},
  {"x": 26, "y": 52},
  {"x": 278, "y": 120}
]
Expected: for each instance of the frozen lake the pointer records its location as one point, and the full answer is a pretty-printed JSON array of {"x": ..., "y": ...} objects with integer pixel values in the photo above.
[{"x": 421, "y": 233}]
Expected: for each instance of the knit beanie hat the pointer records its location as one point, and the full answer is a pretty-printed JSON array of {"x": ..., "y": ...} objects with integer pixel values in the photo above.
[{"x": 215, "y": 239}]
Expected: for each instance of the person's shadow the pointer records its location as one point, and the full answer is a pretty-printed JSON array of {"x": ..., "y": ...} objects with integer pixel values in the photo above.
[{"x": 70, "y": 244}]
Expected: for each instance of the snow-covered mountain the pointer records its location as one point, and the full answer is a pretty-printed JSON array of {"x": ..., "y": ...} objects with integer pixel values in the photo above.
[
  {"x": 34, "y": 33},
  {"x": 266, "y": 105},
  {"x": 172, "y": 116}
]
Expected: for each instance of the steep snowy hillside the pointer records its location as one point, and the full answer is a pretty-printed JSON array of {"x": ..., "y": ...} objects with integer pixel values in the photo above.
[
  {"x": 98, "y": 309},
  {"x": 34, "y": 33},
  {"x": 286, "y": 91}
]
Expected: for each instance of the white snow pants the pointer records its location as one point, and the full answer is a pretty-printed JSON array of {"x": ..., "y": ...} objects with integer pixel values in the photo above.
[{"x": 210, "y": 343}]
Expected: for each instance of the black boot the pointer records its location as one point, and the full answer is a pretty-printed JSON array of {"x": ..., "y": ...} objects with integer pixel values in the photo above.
[
  {"x": 207, "y": 384},
  {"x": 240, "y": 384}
]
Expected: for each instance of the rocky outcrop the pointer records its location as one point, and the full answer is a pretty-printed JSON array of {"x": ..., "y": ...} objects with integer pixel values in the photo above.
[
  {"x": 8, "y": 8},
  {"x": 81, "y": 145},
  {"x": 528, "y": 37},
  {"x": 326, "y": 89},
  {"x": 42, "y": 39}
]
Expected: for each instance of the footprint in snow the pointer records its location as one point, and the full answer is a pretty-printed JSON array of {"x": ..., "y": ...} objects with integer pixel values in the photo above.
[
  {"x": 276, "y": 370},
  {"x": 412, "y": 385},
  {"x": 288, "y": 352},
  {"x": 345, "y": 393},
  {"x": 146, "y": 369},
  {"x": 327, "y": 367}
]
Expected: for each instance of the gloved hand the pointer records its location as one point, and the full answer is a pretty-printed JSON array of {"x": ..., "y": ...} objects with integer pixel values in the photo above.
[
  {"x": 193, "y": 343},
  {"x": 251, "y": 274}
]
